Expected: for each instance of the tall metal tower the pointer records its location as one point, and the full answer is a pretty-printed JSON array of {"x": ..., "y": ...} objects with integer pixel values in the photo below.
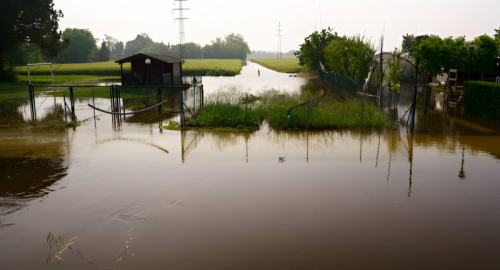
[
  {"x": 181, "y": 26},
  {"x": 279, "y": 35}
]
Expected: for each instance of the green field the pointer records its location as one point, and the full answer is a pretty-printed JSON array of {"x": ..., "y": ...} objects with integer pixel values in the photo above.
[
  {"x": 192, "y": 67},
  {"x": 285, "y": 65},
  {"x": 212, "y": 67}
]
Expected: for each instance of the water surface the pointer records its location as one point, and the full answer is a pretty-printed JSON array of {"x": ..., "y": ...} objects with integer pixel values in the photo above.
[{"x": 159, "y": 199}]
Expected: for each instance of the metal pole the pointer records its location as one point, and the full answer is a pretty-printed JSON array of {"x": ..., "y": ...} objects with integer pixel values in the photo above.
[
  {"x": 64, "y": 105},
  {"x": 93, "y": 100},
  {"x": 202, "y": 95},
  {"x": 72, "y": 100},
  {"x": 181, "y": 108},
  {"x": 246, "y": 109},
  {"x": 412, "y": 123}
]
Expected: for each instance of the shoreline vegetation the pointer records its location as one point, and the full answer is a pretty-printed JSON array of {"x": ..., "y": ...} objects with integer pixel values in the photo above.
[
  {"x": 192, "y": 67},
  {"x": 284, "y": 111},
  {"x": 284, "y": 65}
]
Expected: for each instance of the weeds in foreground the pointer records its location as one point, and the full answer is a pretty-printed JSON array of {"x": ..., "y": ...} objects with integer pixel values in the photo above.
[{"x": 57, "y": 248}]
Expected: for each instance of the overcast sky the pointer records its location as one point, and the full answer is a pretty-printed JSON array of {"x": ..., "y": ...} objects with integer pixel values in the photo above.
[{"x": 256, "y": 20}]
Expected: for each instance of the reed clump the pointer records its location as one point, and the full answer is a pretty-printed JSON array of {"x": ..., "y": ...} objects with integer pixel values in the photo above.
[
  {"x": 283, "y": 111},
  {"x": 229, "y": 109}
]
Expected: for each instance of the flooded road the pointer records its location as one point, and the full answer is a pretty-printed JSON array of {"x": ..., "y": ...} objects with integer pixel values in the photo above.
[{"x": 140, "y": 197}]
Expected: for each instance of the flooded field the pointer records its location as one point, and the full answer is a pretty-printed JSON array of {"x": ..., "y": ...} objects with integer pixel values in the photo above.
[{"x": 141, "y": 197}]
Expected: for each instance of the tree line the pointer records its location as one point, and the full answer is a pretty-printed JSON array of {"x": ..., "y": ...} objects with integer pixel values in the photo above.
[
  {"x": 352, "y": 56},
  {"x": 83, "y": 48}
]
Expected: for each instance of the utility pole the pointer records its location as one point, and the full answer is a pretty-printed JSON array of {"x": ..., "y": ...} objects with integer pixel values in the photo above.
[
  {"x": 381, "y": 72},
  {"x": 279, "y": 35},
  {"x": 181, "y": 26}
]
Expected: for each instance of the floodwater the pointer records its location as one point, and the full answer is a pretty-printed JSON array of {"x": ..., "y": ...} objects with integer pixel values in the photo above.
[
  {"x": 139, "y": 197},
  {"x": 250, "y": 81}
]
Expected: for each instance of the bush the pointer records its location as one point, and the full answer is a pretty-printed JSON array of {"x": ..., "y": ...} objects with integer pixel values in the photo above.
[{"x": 482, "y": 99}]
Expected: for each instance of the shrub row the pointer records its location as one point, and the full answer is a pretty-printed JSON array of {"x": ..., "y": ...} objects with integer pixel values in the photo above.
[{"x": 482, "y": 99}]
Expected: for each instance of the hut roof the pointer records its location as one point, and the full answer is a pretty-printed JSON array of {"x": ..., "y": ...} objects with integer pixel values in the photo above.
[{"x": 157, "y": 57}]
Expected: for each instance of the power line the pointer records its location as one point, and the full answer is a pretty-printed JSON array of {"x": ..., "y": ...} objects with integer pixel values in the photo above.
[
  {"x": 279, "y": 35},
  {"x": 181, "y": 26}
]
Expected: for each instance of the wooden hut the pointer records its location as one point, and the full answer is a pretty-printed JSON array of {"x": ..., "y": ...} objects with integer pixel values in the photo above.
[{"x": 152, "y": 70}]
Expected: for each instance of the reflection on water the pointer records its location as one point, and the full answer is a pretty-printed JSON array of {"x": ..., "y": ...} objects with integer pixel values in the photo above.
[
  {"x": 383, "y": 199},
  {"x": 32, "y": 161}
]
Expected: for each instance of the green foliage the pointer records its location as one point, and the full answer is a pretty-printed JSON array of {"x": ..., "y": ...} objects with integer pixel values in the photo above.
[
  {"x": 394, "y": 75},
  {"x": 435, "y": 55},
  {"x": 349, "y": 57},
  {"x": 285, "y": 65},
  {"x": 135, "y": 46},
  {"x": 114, "y": 46},
  {"x": 407, "y": 43},
  {"x": 311, "y": 52},
  {"x": 23, "y": 54},
  {"x": 103, "y": 55},
  {"x": 497, "y": 35},
  {"x": 32, "y": 22},
  {"x": 233, "y": 46},
  {"x": 482, "y": 99},
  {"x": 484, "y": 55},
  {"x": 428, "y": 53},
  {"x": 82, "y": 48}
]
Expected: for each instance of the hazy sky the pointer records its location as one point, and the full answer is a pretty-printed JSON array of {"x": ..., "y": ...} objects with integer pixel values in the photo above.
[{"x": 256, "y": 20}]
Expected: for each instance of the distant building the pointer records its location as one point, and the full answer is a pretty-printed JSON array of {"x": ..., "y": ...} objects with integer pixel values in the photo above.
[{"x": 152, "y": 69}]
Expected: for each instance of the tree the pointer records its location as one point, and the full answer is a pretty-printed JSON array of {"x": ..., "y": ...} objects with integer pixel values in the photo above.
[
  {"x": 111, "y": 43},
  {"x": 157, "y": 48},
  {"x": 103, "y": 55},
  {"x": 349, "y": 57},
  {"x": 192, "y": 50},
  {"x": 395, "y": 73},
  {"x": 24, "y": 54},
  {"x": 408, "y": 41},
  {"x": 436, "y": 55},
  {"x": 485, "y": 53},
  {"x": 30, "y": 22},
  {"x": 135, "y": 46},
  {"x": 311, "y": 53},
  {"x": 118, "y": 49},
  {"x": 82, "y": 49},
  {"x": 233, "y": 46}
]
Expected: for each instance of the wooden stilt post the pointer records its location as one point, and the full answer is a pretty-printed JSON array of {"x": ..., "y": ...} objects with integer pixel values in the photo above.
[
  {"x": 72, "y": 100},
  {"x": 181, "y": 107}
]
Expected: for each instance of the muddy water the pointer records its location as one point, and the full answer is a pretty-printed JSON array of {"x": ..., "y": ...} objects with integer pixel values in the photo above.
[
  {"x": 159, "y": 199},
  {"x": 250, "y": 81}
]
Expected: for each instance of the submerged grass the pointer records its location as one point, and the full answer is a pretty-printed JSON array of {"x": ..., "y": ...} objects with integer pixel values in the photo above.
[
  {"x": 287, "y": 112},
  {"x": 228, "y": 110}
]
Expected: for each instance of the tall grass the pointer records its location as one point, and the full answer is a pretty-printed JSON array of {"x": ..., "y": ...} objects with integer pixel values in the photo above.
[
  {"x": 228, "y": 109},
  {"x": 296, "y": 111}
]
